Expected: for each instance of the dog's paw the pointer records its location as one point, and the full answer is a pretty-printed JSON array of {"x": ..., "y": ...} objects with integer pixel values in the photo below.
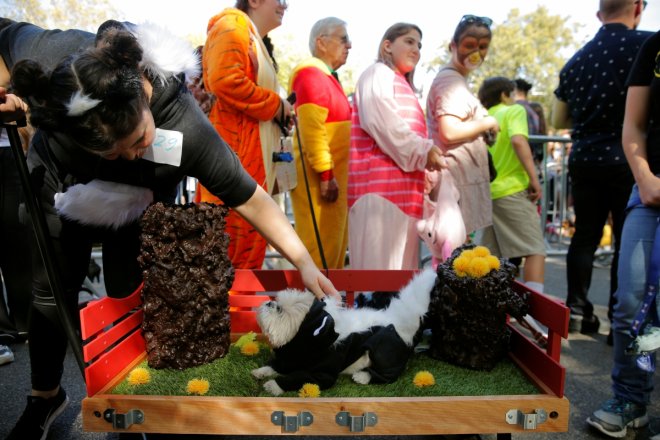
[
  {"x": 361, "y": 377},
  {"x": 273, "y": 388},
  {"x": 262, "y": 372}
]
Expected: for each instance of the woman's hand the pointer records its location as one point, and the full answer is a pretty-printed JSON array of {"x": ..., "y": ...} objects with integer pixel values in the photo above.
[
  {"x": 268, "y": 219},
  {"x": 283, "y": 116},
  {"x": 435, "y": 159},
  {"x": 12, "y": 108},
  {"x": 649, "y": 190},
  {"x": 316, "y": 282}
]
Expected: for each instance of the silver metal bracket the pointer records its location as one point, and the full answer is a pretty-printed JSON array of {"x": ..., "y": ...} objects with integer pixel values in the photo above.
[
  {"x": 356, "y": 423},
  {"x": 123, "y": 421},
  {"x": 527, "y": 421},
  {"x": 291, "y": 423}
]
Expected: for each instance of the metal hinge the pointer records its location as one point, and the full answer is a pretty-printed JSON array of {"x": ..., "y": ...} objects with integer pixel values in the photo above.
[
  {"x": 291, "y": 423},
  {"x": 123, "y": 421},
  {"x": 356, "y": 423},
  {"x": 527, "y": 421}
]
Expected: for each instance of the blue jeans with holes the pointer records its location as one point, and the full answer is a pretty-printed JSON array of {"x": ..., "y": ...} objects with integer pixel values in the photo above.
[{"x": 629, "y": 381}]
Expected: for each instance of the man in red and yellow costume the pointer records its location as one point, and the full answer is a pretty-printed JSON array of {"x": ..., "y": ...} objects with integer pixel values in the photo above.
[{"x": 324, "y": 117}]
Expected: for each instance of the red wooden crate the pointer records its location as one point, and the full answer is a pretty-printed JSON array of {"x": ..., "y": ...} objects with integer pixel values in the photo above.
[{"x": 114, "y": 345}]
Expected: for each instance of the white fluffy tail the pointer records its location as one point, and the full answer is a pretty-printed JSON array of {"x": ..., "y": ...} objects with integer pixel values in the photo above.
[{"x": 412, "y": 304}]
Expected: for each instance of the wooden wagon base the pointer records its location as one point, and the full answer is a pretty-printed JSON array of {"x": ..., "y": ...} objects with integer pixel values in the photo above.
[{"x": 547, "y": 411}]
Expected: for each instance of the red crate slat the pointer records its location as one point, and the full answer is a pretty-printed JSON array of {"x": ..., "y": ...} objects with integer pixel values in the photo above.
[
  {"x": 247, "y": 300},
  {"x": 548, "y": 311},
  {"x": 101, "y": 343},
  {"x": 101, "y": 372},
  {"x": 266, "y": 280},
  {"x": 370, "y": 280},
  {"x": 244, "y": 322},
  {"x": 99, "y": 314},
  {"x": 535, "y": 362}
]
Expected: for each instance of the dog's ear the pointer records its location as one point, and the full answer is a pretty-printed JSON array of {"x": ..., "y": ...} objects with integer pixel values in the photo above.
[{"x": 318, "y": 328}]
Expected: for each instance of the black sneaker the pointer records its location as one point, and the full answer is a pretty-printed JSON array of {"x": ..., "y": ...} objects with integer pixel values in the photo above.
[{"x": 37, "y": 417}]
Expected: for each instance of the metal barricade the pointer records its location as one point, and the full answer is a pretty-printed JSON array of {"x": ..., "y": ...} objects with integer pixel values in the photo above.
[{"x": 556, "y": 214}]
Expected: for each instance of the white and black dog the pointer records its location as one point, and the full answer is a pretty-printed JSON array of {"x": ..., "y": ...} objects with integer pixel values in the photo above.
[{"x": 314, "y": 341}]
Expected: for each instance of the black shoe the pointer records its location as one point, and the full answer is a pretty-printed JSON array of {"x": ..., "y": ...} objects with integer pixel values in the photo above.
[
  {"x": 590, "y": 325},
  {"x": 37, "y": 417},
  {"x": 583, "y": 324}
]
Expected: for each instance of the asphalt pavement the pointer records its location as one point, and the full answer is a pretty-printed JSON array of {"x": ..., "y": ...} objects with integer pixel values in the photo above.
[{"x": 587, "y": 359}]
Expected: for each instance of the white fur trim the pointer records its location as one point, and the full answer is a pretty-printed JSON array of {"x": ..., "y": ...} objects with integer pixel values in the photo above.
[
  {"x": 79, "y": 104},
  {"x": 164, "y": 53},
  {"x": 102, "y": 203}
]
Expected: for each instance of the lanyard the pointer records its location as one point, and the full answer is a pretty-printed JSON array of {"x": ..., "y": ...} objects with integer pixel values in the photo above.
[{"x": 645, "y": 361}]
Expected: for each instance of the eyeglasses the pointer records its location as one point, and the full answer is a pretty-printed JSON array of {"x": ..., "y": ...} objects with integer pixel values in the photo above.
[
  {"x": 283, "y": 3},
  {"x": 644, "y": 3},
  {"x": 343, "y": 39},
  {"x": 476, "y": 19}
]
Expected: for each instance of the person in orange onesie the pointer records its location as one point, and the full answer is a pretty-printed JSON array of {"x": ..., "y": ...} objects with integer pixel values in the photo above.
[
  {"x": 239, "y": 70},
  {"x": 324, "y": 123}
]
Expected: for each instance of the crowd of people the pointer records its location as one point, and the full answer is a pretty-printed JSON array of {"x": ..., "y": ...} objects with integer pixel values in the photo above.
[{"x": 370, "y": 163}]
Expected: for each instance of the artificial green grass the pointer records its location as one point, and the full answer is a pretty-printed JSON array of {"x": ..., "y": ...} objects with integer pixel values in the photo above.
[{"x": 230, "y": 376}]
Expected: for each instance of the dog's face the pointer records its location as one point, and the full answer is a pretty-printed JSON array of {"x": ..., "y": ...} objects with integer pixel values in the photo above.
[{"x": 280, "y": 319}]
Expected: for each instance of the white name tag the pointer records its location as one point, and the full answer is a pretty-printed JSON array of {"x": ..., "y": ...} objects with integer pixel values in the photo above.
[{"x": 167, "y": 148}]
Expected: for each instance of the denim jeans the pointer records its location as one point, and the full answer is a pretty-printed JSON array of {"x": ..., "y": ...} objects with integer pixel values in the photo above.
[{"x": 629, "y": 381}]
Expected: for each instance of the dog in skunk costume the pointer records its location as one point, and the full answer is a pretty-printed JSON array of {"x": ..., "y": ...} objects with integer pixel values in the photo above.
[{"x": 314, "y": 341}]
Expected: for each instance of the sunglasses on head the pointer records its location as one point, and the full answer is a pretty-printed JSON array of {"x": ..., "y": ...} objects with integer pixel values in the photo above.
[{"x": 476, "y": 19}]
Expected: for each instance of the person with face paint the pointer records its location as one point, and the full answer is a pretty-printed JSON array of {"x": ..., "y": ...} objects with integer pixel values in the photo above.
[
  {"x": 459, "y": 124},
  {"x": 388, "y": 154}
]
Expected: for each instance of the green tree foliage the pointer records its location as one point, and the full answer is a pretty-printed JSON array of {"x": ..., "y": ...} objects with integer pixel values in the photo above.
[
  {"x": 534, "y": 46},
  {"x": 63, "y": 14}
]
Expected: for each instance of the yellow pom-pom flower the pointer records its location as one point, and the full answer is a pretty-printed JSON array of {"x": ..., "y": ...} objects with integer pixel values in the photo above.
[
  {"x": 198, "y": 386},
  {"x": 309, "y": 390},
  {"x": 481, "y": 251},
  {"x": 248, "y": 337},
  {"x": 468, "y": 253},
  {"x": 423, "y": 379},
  {"x": 139, "y": 376},
  {"x": 493, "y": 262},
  {"x": 461, "y": 265},
  {"x": 250, "y": 348},
  {"x": 479, "y": 267}
]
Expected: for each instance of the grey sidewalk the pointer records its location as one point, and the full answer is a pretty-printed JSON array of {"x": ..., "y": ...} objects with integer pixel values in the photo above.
[{"x": 587, "y": 359}]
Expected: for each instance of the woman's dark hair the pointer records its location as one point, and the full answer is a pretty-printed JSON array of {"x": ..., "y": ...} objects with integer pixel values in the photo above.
[
  {"x": 468, "y": 21},
  {"x": 492, "y": 89},
  {"x": 96, "y": 97},
  {"x": 391, "y": 34},
  {"x": 244, "y": 5}
]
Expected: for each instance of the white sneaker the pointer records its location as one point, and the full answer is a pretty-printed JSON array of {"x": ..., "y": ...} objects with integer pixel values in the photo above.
[
  {"x": 648, "y": 342},
  {"x": 6, "y": 355}
]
